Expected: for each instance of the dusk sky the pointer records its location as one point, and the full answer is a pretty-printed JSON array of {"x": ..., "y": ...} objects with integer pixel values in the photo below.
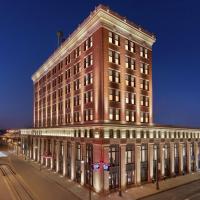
[{"x": 28, "y": 37}]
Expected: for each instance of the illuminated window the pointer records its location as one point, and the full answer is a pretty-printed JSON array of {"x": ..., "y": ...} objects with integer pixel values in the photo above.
[
  {"x": 130, "y": 80},
  {"x": 114, "y": 38},
  {"x": 88, "y": 115},
  {"x": 144, "y": 68},
  {"x": 77, "y": 68},
  {"x": 114, "y": 57},
  {"x": 130, "y": 98},
  {"x": 68, "y": 73},
  {"x": 144, "y": 101},
  {"x": 144, "y": 117},
  {"x": 130, "y": 63},
  {"x": 77, "y": 117},
  {"x": 77, "y": 52},
  {"x": 114, "y": 95},
  {"x": 143, "y": 52},
  {"x": 114, "y": 114},
  {"x": 88, "y": 79},
  {"x": 114, "y": 76},
  {"x": 68, "y": 59},
  {"x": 77, "y": 100},
  {"x": 67, "y": 88},
  {"x": 77, "y": 84},
  {"x": 130, "y": 115},
  {"x": 88, "y": 43},
  {"x": 129, "y": 46},
  {"x": 88, "y": 97},
  {"x": 144, "y": 84},
  {"x": 88, "y": 61}
]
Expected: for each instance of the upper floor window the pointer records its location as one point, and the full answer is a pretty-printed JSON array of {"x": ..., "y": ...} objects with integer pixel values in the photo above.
[
  {"x": 68, "y": 59},
  {"x": 77, "y": 68},
  {"x": 67, "y": 103},
  {"x": 144, "y": 117},
  {"x": 88, "y": 97},
  {"x": 77, "y": 52},
  {"x": 129, "y": 46},
  {"x": 130, "y": 115},
  {"x": 77, "y": 84},
  {"x": 143, "y": 52},
  {"x": 88, "y": 115},
  {"x": 114, "y": 114},
  {"x": 77, "y": 100},
  {"x": 114, "y": 95},
  {"x": 130, "y": 80},
  {"x": 144, "y": 101},
  {"x": 114, "y": 76},
  {"x": 144, "y": 84},
  {"x": 67, "y": 89},
  {"x": 68, "y": 73},
  {"x": 144, "y": 68},
  {"x": 130, "y": 98},
  {"x": 114, "y": 57},
  {"x": 88, "y": 79},
  {"x": 88, "y": 43},
  {"x": 114, "y": 38},
  {"x": 88, "y": 61},
  {"x": 77, "y": 117},
  {"x": 130, "y": 63}
]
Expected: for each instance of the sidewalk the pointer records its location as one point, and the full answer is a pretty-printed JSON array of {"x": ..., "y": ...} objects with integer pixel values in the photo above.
[{"x": 140, "y": 192}]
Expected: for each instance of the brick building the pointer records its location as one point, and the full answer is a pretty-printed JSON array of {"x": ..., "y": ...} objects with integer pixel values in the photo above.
[{"x": 93, "y": 119}]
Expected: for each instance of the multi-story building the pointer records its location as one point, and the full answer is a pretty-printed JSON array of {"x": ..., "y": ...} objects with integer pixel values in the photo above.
[{"x": 93, "y": 119}]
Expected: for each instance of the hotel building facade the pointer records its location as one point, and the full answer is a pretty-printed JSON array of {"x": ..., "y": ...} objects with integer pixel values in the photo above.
[{"x": 93, "y": 116}]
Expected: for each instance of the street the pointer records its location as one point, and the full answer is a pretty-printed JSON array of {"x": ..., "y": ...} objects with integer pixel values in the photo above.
[
  {"x": 189, "y": 191},
  {"x": 23, "y": 181}
]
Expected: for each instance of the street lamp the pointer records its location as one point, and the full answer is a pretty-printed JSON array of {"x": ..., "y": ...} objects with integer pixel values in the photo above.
[{"x": 157, "y": 169}]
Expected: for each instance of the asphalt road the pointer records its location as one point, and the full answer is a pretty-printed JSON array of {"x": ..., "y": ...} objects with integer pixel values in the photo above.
[
  {"x": 190, "y": 191},
  {"x": 29, "y": 180}
]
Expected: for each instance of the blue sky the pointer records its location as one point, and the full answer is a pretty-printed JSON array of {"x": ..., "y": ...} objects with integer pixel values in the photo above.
[{"x": 28, "y": 37}]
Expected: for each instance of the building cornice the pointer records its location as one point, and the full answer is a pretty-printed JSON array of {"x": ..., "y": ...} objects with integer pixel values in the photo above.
[{"x": 98, "y": 18}]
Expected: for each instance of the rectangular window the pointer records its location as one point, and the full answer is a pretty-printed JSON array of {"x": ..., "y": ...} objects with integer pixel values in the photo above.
[
  {"x": 144, "y": 84},
  {"x": 77, "y": 117},
  {"x": 130, "y": 98},
  {"x": 88, "y": 79},
  {"x": 88, "y": 97},
  {"x": 68, "y": 59},
  {"x": 114, "y": 114},
  {"x": 144, "y": 117},
  {"x": 130, "y": 63},
  {"x": 88, "y": 61},
  {"x": 77, "y": 100},
  {"x": 77, "y": 68},
  {"x": 129, "y": 46},
  {"x": 68, "y": 73},
  {"x": 77, "y": 52},
  {"x": 130, "y": 115},
  {"x": 113, "y": 38},
  {"x": 88, "y": 43},
  {"x": 130, "y": 80},
  {"x": 114, "y": 95},
  {"x": 88, "y": 115},
  {"x": 144, "y": 101},
  {"x": 114, "y": 57},
  {"x": 77, "y": 84},
  {"x": 144, "y": 68},
  {"x": 114, "y": 76},
  {"x": 143, "y": 52}
]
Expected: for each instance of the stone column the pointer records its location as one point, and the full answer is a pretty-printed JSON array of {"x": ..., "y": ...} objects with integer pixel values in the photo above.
[
  {"x": 162, "y": 160},
  {"x": 180, "y": 151},
  {"x": 106, "y": 173},
  {"x": 172, "y": 158},
  {"x": 83, "y": 148},
  {"x": 123, "y": 167},
  {"x": 39, "y": 149},
  {"x": 73, "y": 160},
  {"x": 150, "y": 161},
  {"x": 57, "y": 156},
  {"x": 52, "y": 153},
  {"x": 34, "y": 148},
  {"x": 196, "y": 152},
  {"x": 97, "y": 174},
  {"x": 42, "y": 151},
  {"x": 64, "y": 157},
  {"x": 138, "y": 164},
  {"x": 188, "y": 157}
]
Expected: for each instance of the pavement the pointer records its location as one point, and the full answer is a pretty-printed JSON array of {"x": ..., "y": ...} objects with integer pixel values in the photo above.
[{"x": 46, "y": 184}]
